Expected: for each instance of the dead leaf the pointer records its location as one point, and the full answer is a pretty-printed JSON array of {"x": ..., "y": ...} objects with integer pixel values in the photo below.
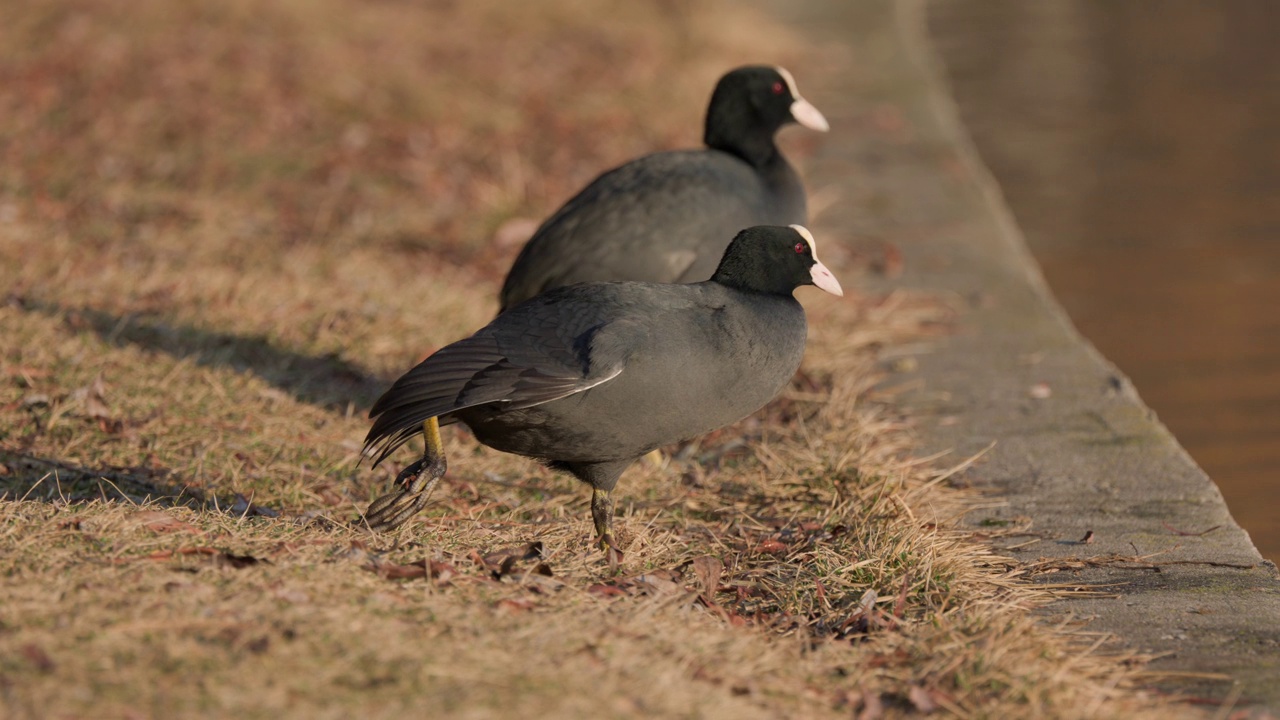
[
  {"x": 606, "y": 590},
  {"x": 771, "y": 546},
  {"x": 502, "y": 563},
  {"x": 328, "y": 494},
  {"x": 655, "y": 582},
  {"x": 860, "y": 621},
  {"x": 660, "y": 582},
  {"x": 235, "y": 561},
  {"x": 38, "y": 657},
  {"x": 516, "y": 605},
  {"x": 901, "y": 602},
  {"x": 26, "y": 373},
  {"x": 274, "y": 395},
  {"x": 93, "y": 399},
  {"x": 244, "y": 507},
  {"x": 896, "y": 658},
  {"x": 158, "y": 521},
  {"x": 872, "y": 706},
  {"x": 441, "y": 572},
  {"x": 922, "y": 700},
  {"x": 215, "y": 556},
  {"x": 707, "y": 571},
  {"x": 36, "y": 399}
]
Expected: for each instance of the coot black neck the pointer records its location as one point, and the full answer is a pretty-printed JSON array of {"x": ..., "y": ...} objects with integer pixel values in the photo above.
[
  {"x": 753, "y": 273},
  {"x": 745, "y": 136}
]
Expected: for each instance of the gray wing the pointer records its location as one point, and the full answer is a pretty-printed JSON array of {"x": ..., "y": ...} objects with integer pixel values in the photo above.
[{"x": 520, "y": 360}]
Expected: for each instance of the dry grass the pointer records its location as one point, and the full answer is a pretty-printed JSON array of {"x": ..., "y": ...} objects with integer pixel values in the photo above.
[{"x": 236, "y": 221}]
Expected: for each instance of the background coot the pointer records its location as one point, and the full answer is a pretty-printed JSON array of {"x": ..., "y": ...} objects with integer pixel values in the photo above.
[{"x": 667, "y": 217}]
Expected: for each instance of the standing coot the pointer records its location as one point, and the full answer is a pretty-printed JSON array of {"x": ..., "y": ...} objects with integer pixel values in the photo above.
[
  {"x": 589, "y": 378},
  {"x": 667, "y": 217}
]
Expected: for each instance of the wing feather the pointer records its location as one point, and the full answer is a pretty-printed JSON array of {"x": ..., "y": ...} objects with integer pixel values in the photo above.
[{"x": 477, "y": 371}]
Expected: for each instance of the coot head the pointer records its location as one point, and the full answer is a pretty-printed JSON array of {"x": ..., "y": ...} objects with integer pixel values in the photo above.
[
  {"x": 750, "y": 104},
  {"x": 776, "y": 260}
]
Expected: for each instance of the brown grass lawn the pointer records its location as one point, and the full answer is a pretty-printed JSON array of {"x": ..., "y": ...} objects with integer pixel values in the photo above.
[{"x": 226, "y": 226}]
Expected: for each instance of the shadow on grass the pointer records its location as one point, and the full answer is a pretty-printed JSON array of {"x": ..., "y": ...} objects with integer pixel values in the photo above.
[
  {"x": 33, "y": 478},
  {"x": 326, "y": 381}
]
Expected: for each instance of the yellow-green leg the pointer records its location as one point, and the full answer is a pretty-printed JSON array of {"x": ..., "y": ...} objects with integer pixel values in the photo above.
[
  {"x": 602, "y": 514},
  {"x": 603, "y": 478},
  {"x": 416, "y": 483}
]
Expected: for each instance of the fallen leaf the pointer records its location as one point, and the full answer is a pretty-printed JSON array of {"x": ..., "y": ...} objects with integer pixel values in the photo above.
[
  {"x": 93, "y": 399},
  {"x": 244, "y": 507},
  {"x": 502, "y": 563},
  {"x": 771, "y": 546},
  {"x": 901, "y": 602},
  {"x": 606, "y": 590},
  {"x": 895, "y": 658},
  {"x": 872, "y": 706},
  {"x": 235, "y": 561},
  {"x": 158, "y": 521},
  {"x": 655, "y": 582},
  {"x": 274, "y": 395},
  {"x": 707, "y": 571},
  {"x": 328, "y": 494},
  {"x": 216, "y": 556},
  {"x": 515, "y": 605},
  {"x": 35, "y": 399},
  {"x": 27, "y": 373},
  {"x": 441, "y": 572},
  {"x": 921, "y": 699},
  {"x": 659, "y": 582},
  {"x": 38, "y": 657}
]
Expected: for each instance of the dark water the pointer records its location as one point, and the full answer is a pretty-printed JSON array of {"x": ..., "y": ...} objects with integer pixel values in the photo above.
[{"x": 1138, "y": 144}]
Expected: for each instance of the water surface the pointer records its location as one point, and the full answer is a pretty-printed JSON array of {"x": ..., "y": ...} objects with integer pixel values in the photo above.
[{"x": 1138, "y": 145}]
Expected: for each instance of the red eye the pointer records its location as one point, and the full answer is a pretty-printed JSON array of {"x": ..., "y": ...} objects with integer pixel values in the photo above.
[
  {"x": 777, "y": 88},
  {"x": 800, "y": 248}
]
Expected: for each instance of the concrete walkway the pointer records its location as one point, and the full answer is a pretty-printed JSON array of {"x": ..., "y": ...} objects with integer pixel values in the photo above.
[{"x": 1076, "y": 454}]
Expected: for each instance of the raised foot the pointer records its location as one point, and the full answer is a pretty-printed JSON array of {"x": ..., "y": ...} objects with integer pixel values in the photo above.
[{"x": 416, "y": 482}]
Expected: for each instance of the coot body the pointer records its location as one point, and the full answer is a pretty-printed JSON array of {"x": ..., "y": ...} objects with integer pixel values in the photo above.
[
  {"x": 590, "y": 377},
  {"x": 667, "y": 217}
]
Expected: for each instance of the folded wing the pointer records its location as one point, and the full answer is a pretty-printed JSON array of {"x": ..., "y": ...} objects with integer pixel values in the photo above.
[{"x": 477, "y": 371}]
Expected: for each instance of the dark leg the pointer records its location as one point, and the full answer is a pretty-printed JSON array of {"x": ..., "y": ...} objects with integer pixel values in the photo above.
[{"x": 416, "y": 483}]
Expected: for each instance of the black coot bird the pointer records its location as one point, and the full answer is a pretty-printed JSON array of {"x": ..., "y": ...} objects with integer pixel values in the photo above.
[
  {"x": 667, "y": 217},
  {"x": 590, "y": 377}
]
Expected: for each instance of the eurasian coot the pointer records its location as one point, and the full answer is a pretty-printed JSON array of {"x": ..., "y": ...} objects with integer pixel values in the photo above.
[
  {"x": 667, "y": 217},
  {"x": 590, "y": 377}
]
